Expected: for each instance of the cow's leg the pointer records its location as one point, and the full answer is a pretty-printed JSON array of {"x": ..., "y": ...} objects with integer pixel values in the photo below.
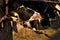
[{"x": 34, "y": 25}]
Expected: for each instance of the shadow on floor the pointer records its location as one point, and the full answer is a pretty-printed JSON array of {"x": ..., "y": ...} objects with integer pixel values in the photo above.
[{"x": 55, "y": 36}]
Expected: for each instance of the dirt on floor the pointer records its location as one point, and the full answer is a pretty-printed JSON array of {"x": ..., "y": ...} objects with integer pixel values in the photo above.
[{"x": 28, "y": 34}]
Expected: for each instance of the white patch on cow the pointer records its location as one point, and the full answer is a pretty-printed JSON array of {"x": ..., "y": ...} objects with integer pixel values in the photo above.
[
  {"x": 14, "y": 18},
  {"x": 34, "y": 29},
  {"x": 39, "y": 20},
  {"x": 20, "y": 7},
  {"x": 31, "y": 19},
  {"x": 57, "y": 7},
  {"x": 58, "y": 13},
  {"x": 35, "y": 16},
  {"x": 11, "y": 23},
  {"x": 30, "y": 9},
  {"x": 28, "y": 24}
]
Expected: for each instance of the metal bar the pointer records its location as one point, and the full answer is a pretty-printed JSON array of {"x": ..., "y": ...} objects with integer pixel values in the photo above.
[{"x": 6, "y": 10}]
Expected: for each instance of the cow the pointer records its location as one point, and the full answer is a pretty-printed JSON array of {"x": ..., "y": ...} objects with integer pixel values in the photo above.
[
  {"x": 46, "y": 11},
  {"x": 7, "y": 19},
  {"x": 29, "y": 15}
]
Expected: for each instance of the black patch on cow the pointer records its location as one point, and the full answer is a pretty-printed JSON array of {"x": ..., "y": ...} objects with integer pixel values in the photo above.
[{"x": 25, "y": 13}]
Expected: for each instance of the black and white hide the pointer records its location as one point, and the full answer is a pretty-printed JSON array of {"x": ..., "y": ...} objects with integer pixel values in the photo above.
[{"x": 29, "y": 17}]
